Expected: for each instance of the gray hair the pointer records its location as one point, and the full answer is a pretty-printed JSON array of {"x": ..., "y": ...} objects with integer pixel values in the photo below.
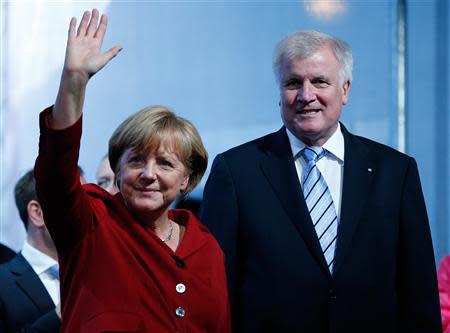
[{"x": 302, "y": 44}]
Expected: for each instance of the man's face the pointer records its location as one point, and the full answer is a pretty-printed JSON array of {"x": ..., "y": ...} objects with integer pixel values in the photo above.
[
  {"x": 105, "y": 177},
  {"x": 312, "y": 96}
]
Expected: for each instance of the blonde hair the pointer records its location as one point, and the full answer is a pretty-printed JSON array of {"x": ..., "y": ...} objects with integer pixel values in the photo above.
[{"x": 148, "y": 129}]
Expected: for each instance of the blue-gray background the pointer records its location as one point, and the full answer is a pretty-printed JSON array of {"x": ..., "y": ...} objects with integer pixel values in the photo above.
[{"x": 210, "y": 61}]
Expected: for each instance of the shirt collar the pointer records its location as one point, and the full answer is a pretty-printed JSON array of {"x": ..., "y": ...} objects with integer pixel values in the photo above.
[
  {"x": 38, "y": 260},
  {"x": 335, "y": 144}
]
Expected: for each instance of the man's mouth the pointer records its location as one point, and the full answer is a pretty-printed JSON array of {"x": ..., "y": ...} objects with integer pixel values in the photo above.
[{"x": 308, "y": 111}]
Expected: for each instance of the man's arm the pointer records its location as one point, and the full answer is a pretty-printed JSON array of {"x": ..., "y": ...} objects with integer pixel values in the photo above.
[
  {"x": 416, "y": 282},
  {"x": 48, "y": 323},
  {"x": 220, "y": 214}
]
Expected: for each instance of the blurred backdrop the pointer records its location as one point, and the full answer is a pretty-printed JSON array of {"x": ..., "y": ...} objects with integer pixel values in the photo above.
[{"x": 210, "y": 61}]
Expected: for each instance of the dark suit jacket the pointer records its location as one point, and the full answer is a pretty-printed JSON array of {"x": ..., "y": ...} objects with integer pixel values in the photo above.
[
  {"x": 25, "y": 305},
  {"x": 6, "y": 254},
  {"x": 384, "y": 276}
]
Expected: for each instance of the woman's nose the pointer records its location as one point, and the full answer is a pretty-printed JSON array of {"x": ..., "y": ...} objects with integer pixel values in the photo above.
[{"x": 148, "y": 171}]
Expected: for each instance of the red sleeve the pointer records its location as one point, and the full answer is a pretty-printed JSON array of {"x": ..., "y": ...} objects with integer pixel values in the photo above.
[
  {"x": 444, "y": 292},
  {"x": 66, "y": 207}
]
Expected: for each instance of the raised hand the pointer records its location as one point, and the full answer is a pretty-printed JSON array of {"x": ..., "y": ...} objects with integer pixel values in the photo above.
[
  {"x": 83, "y": 54},
  {"x": 84, "y": 58}
]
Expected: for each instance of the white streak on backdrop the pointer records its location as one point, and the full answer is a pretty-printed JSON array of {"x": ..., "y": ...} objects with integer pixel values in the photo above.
[{"x": 32, "y": 57}]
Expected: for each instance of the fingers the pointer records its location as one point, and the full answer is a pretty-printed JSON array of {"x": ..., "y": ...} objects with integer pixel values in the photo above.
[
  {"x": 111, "y": 53},
  {"x": 93, "y": 23},
  {"x": 88, "y": 25},
  {"x": 100, "y": 33},
  {"x": 83, "y": 24},
  {"x": 72, "y": 28}
]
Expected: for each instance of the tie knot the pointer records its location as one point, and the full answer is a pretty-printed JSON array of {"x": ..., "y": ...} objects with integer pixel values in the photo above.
[
  {"x": 53, "y": 271},
  {"x": 313, "y": 153}
]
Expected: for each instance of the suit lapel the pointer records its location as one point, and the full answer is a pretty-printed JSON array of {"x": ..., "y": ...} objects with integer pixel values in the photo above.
[
  {"x": 29, "y": 282},
  {"x": 358, "y": 174},
  {"x": 279, "y": 168}
]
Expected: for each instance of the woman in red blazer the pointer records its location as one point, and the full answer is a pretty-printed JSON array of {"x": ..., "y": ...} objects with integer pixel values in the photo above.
[{"x": 127, "y": 262}]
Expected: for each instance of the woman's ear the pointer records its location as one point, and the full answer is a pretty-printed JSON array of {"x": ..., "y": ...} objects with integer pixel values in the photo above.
[
  {"x": 117, "y": 179},
  {"x": 184, "y": 184}
]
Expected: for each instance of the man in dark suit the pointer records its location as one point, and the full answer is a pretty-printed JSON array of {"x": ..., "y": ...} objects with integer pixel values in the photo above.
[
  {"x": 29, "y": 283},
  {"x": 323, "y": 231}
]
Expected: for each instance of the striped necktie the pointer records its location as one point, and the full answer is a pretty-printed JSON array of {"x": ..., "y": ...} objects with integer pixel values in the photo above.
[{"x": 320, "y": 203}]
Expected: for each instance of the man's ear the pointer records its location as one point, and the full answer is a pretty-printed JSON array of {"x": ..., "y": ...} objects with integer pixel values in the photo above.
[
  {"x": 35, "y": 214},
  {"x": 345, "y": 92}
]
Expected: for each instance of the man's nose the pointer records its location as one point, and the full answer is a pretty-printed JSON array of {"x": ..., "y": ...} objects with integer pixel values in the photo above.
[{"x": 306, "y": 93}]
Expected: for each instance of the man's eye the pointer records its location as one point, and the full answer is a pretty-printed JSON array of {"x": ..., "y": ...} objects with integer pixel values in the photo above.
[
  {"x": 320, "y": 83},
  {"x": 103, "y": 183},
  {"x": 292, "y": 84}
]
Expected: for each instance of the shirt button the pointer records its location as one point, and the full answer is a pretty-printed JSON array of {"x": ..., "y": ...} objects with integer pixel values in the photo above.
[
  {"x": 180, "y": 312},
  {"x": 180, "y": 288},
  {"x": 331, "y": 295}
]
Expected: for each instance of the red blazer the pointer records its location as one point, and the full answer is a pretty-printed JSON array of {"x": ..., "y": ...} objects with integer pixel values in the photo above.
[{"x": 116, "y": 274}]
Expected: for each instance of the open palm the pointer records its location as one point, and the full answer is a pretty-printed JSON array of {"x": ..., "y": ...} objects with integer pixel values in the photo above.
[{"x": 83, "y": 54}]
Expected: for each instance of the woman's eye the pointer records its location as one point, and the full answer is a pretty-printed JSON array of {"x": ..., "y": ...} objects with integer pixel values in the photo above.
[
  {"x": 135, "y": 159},
  {"x": 166, "y": 163}
]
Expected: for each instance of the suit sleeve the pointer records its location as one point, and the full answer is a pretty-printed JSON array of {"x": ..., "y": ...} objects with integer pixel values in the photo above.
[
  {"x": 220, "y": 214},
  {"x": 416, "y": 278},
  {"x": 48, "y": 323}
]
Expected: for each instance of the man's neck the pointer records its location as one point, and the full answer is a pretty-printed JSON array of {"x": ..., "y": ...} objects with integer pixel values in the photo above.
[{"x": 39, "y": 244}]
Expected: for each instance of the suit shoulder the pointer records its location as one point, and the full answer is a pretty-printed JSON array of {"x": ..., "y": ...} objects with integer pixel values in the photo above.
[
  {"x": 9, "y": 269},
  {"x": 254, "y": 146},
  {"x": 382, "y": 151}
]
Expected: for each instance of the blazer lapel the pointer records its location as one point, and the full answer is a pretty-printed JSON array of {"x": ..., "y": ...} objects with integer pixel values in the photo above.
[
  {"x": 29, "y": 282},
  {"x": 358, "y": 174},
  {"x": 279, "y": 168}
]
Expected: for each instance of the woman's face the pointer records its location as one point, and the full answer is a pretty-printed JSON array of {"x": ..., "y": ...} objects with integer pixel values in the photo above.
[{"x": 149, "y": 184}]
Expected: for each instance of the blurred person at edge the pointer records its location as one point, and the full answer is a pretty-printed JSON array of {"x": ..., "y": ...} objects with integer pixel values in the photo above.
[
  {"x": 444, "y": 292},
  {"x": 128, "y": 263},
  {"x": 29, "y": 283},
  {"x": 105, "y": 176}
]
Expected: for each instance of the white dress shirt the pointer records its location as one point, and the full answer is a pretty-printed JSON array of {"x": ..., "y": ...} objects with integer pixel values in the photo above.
[
  {"x": 331, "y": 166},
  {"x": 41, "y": 263}
]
